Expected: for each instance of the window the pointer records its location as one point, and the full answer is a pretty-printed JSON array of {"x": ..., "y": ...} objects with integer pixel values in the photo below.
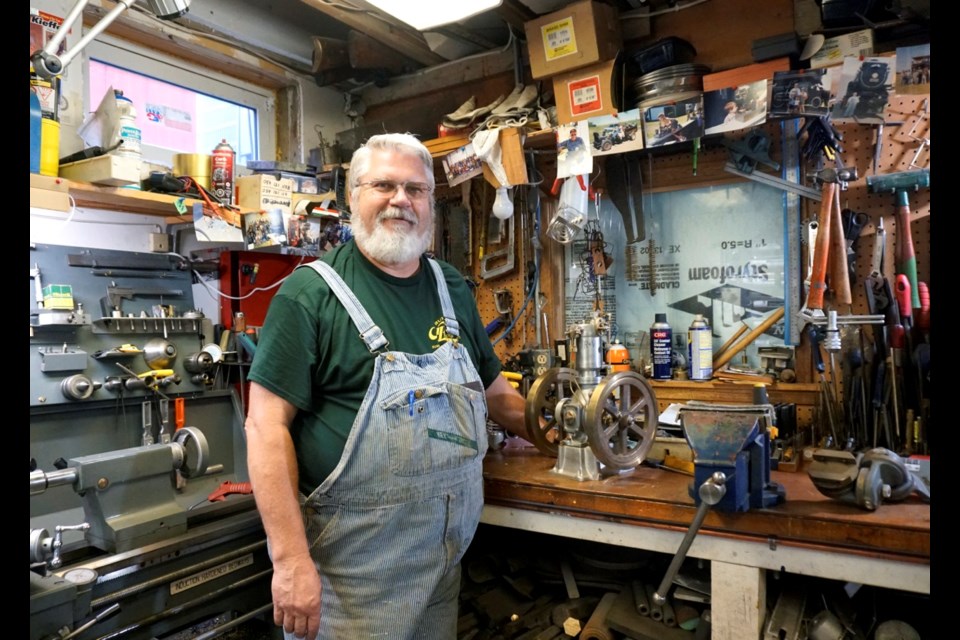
[{"x": 181, "y": 109}]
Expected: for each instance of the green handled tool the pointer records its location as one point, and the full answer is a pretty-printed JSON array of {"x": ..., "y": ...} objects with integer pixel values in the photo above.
[{"x": 901, "y": 184}]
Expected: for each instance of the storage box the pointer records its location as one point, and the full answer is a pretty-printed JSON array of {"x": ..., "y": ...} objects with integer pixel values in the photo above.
[
  {"x": 581, "y": 34},
  {"x": 109, "y": 170},
  {"x": 58, "y": 296},
  {"x": 834, "y": 50},
  {"x": 783, "y": 45},
  {"x": 263, "y": 192},
  {"x": 301, "y": 183},
  {"x": 594, "y": 91}
]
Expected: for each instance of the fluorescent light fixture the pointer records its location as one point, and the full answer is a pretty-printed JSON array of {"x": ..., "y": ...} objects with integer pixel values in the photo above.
[{"x": 426, "y": 15}]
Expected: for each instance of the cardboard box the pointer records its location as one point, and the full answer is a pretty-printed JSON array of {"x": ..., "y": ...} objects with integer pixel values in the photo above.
[
  {"x": 596, "y": 90},
  {"x": 58, "y": 296},
  {"x": 581, "y": 34},
  {"x": 834, "y": 50},
  {"x": 301, "y": 183},
  {"x": 108, "y": 170},
  {"x": 264, "y": 192}
]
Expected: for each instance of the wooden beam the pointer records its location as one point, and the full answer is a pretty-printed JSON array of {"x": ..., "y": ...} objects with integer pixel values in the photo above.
[
  {"x": 441, "y": 77},
  {"x": 196, "y": 49},
  {"x": 515, "y": 13},
  {"x": 405, "y": 40}
]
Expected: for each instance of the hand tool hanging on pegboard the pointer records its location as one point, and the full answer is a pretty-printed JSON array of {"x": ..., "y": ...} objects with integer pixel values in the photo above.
[
  {"x": 901, "y": 184},
  {"x": 853, "y": 223}
]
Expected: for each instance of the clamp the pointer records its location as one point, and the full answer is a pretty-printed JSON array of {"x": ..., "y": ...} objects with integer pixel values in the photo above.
[{"x": 865, "y": 479}]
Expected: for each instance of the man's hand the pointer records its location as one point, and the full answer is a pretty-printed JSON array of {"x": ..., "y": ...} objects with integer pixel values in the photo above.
[
  {"x": 296, "y": 596},
  {"x": 506, "y": 407}
]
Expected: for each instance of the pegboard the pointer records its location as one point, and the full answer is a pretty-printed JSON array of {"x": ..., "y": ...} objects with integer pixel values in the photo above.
[
  {"x": 497, "y": 287},
  {"x": 901, "y": 150}
]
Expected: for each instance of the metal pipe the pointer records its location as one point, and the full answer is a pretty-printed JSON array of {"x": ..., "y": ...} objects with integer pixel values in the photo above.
[
  {"x": 711, "y": 492},
  {"x": 220, "y": 593},
  {"x": 213, "y": 633}
]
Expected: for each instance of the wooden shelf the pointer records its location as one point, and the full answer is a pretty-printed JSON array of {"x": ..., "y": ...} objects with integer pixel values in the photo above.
[{"x": 112, "y": 198}]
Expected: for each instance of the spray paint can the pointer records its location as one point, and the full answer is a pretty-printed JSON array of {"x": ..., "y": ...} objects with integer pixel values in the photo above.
[
  {"x": 700, "y": 349},
  {"x": 618, "y": 358},
  {"x": 661, "y": 347},
  {"x": 221, "y": 174}
]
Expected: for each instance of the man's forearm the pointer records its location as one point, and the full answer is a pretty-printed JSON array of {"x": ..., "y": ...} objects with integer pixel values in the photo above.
[{"x": 272, "y": 465}]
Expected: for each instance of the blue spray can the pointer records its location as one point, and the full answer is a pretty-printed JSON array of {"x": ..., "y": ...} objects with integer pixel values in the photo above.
[
  {"x": 700, "y": 349},
  {"x": 661, "y": 346}
]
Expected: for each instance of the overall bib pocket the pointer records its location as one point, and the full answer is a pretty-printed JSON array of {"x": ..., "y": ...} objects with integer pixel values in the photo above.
[{"x": 434, "y": 428}]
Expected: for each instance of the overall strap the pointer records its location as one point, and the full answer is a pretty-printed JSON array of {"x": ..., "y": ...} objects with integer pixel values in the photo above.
[
  {"x": 370, "y": 333},
  {"x": 453, "y": 327}
]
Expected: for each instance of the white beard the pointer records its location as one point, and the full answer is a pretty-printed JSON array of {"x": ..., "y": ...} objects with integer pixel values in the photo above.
[{"x": 393, "y": 245}]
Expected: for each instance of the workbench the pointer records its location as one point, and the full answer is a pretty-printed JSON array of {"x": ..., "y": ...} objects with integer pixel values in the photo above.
[{"x": 651, "y": 508}]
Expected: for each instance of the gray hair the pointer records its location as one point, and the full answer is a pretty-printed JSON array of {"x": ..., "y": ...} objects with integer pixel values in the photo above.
[{"x": 404, "y": 143}]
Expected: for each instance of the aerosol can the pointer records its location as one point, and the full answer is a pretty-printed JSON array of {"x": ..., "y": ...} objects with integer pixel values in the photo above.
[
  {"x": 221, "y": 175},
  {"x": 700, "y": 349},
  {"x": 661, "y": 348}
]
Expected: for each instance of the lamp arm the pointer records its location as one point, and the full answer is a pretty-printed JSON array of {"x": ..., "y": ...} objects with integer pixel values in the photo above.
[{"x": 48, "y": 64}]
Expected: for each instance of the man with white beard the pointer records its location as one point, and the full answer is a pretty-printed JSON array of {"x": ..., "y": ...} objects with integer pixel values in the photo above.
[{"x": 366, "y": 427}]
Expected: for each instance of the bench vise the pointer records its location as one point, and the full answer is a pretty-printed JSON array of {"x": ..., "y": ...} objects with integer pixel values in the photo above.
[{"x": 733, "y": 440}]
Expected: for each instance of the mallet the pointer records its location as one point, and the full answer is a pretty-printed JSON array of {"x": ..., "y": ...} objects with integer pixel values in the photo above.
[{"x": 901, "y": 184}]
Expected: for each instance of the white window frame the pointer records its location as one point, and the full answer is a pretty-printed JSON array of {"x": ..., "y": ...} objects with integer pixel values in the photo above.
[{"x": 140, "y": 59}]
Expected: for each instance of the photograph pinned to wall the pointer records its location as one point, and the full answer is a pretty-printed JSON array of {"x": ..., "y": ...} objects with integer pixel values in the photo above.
[
  {"x": 734, "y": 108},
  {"x": 617, "y": 133},
  {"x": 303, "y": 236},
  {"x": 312, "y": 235},
  {"x": 213, "y": 229},
  {"x": 264, "y": 229},
  {"x": 913, "y": 70},
  {"x": 573, "y": 157},
  {"x": 676, "y": 121},
  {"x": 461, "y": 164},
  {"x": 863, "y": 88},
  {"x": 804, "y": 92}
]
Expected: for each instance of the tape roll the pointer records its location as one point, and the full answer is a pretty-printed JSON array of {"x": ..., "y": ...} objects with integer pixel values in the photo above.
[{"x": 195, "y": 165}]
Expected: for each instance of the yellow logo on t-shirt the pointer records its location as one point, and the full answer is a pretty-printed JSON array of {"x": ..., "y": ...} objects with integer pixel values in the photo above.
[{"x": 438, "y": 333}]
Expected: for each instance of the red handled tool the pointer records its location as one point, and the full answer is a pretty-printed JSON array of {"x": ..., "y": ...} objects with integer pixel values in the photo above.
[
  {"x": 923, "y": 316},
  {"x": 226, "y": 489},
  {"x": 230, "y": 488},
  {"x": 901, "y": 185},
  {"x": 179, "y": 413},
  {"x": 904, "y": 300}
]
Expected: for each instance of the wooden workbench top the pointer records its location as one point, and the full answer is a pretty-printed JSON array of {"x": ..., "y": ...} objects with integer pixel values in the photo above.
[{"x": 522, "y": 478}]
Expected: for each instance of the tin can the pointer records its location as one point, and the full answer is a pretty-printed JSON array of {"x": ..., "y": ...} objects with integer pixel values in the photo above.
[
  {"x": 700, "y": 349},
  {"x": 222, "y": 171}
]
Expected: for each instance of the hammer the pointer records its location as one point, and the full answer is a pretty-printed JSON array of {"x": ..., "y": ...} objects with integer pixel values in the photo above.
[{"x": 901, "y": 184}]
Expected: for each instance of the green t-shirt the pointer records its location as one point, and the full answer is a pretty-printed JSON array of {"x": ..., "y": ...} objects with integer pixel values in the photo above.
[{"x": 310, "y": 352}]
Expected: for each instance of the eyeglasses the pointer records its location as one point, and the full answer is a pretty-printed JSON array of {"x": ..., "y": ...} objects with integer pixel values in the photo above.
[{"x": 388, "y": 188}]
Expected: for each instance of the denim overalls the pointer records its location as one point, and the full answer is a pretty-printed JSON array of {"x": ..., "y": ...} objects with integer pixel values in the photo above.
[{"x": 390, "y": 524}]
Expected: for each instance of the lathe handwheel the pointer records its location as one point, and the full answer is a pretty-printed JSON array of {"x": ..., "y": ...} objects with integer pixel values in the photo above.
[
  {"x": 621, "y": 420},
  {"x": 196, "y": 451},
  {"x": 547, "y": 391}
]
